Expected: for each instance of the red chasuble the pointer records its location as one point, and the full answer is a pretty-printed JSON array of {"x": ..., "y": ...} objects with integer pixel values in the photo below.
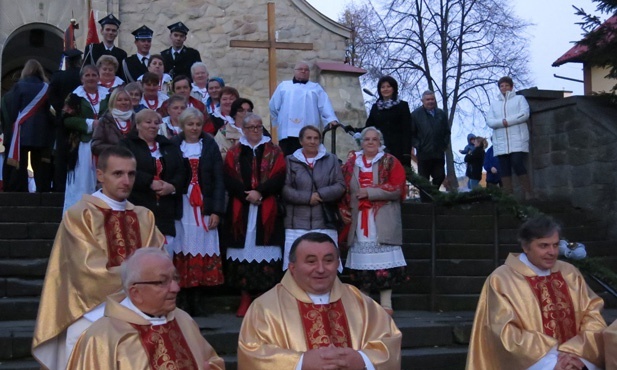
[
  {"x": 558, "y": 318},
  {"x": 325, "y": 324},
  {"x": 123, "y": 236},
  {"x": 166, "y": 346}
]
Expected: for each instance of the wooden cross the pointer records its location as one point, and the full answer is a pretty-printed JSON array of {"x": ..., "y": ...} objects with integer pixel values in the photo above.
[{"x": 272, "y": 45}]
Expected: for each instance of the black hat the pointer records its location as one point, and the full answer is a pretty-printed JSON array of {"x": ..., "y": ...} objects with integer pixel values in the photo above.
[
  {"x": 178, "y": 27},
  {"x": 142, "y": 32},
  {"x": 72, "y": 53},
  {"x": 110, "y": 19}
]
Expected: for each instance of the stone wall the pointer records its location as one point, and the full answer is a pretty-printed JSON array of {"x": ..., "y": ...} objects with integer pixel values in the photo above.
[
  {"x": 214, "y": 23},
  {"x": 574, "y": 153}
]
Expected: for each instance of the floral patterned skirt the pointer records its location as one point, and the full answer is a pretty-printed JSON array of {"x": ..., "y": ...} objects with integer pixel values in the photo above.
[
  {"x": 254, "y": 276},
  {"x": 199, "y": 270}
]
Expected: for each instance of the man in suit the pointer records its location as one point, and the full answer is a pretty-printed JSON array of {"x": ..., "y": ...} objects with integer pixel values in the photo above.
[
  {"x": 137, "y": 64},
  {"x": 178, "y": 58},
  {"x": 109, "y": 30},
  {"x": 61, "y": 85}
]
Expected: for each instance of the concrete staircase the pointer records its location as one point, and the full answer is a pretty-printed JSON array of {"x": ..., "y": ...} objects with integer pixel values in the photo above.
[{"x": 450, "y": 251}]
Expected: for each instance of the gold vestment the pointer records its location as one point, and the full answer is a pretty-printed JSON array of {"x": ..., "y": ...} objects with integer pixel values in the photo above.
[
  {"x": 77, "y": 279},
  {"x": 272, "y": 334},
  {"x": 610, "y": 346},
  {"x": 113, "y": 343},
  {"x": 508, "y": 328}
]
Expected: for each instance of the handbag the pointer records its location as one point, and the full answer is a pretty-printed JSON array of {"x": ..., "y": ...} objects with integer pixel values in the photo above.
[{"x": 331, "y": 215}]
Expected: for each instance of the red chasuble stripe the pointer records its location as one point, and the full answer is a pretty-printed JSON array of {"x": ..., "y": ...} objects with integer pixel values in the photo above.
[
  {"x": 123, "y": 236},
  {"x": 558, "y": 317},
  {"x": 166, "y": 346},
  {"x": 325, "y": 324}
]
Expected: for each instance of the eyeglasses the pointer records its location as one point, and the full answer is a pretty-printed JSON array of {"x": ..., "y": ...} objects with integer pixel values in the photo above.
[
  {"x": 254, "y": 128},
  {"x": 165, "y": 282}
]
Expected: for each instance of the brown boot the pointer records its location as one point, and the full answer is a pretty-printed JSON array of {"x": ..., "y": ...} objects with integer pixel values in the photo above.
[
  {"x": 526, "y": 185},
  {"x": 506, "y": 184}
]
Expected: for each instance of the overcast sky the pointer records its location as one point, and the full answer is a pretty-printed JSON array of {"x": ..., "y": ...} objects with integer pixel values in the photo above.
[{"x": 551, "y": 35}]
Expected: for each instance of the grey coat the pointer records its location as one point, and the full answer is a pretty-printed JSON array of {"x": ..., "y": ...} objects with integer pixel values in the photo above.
[
  {"x": 388, "y": 218},
  {"x": 299, "y": 187}
]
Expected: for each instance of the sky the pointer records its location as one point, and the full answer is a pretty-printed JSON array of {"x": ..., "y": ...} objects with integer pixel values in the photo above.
[{"x": 550, "y": 36}]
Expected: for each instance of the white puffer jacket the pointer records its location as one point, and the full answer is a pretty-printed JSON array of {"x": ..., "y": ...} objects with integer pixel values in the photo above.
[{"x": 514, "y": 138}]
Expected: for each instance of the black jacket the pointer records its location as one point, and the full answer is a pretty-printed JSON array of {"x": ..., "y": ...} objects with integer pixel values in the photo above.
[
  {"x": 210, "y": 175},
  {"x": 134, "y": 68},
  {"x": 395, "y": 125},
  {"x": 429, "y": 135},
  {"x": 167, "y": 208},
  {"x": 38, "y": 130},
  {"x": 182, "y": 64},
  {"x": 475, "y": 160},
  {"x": 93, "y": 52}
]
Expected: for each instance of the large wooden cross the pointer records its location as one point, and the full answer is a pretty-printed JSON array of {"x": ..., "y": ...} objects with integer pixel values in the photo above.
[{"x": 272, "y": 45}]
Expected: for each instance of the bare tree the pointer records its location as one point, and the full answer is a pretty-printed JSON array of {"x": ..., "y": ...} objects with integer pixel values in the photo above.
[{"x": 457, "y": 48}]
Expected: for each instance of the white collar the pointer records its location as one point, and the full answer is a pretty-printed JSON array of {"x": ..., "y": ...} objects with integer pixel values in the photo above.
[
  {"x": 321, "y": 152},
  {"x": 141, "y": 57},
  {"x": 108, "y": 48},
  {"x": 113, "y": 204},
  {"x": 126, "y": 302},
  {"x": 264, "y": 140},
  {"x": 540, "y": 272},
  {"x": 102, "y": 90},
  {"x": 319, "y": 298},
  {"x": 360, "y": 154},
  {"x": 177, "y": 51}
]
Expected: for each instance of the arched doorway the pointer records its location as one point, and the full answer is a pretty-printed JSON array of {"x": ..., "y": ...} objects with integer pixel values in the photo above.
[{"x": 39, "y": 41}]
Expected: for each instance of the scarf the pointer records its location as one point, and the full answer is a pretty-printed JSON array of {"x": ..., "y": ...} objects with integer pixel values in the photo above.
[
  {"x": 387, "y": 104},
  {"x": 123, "y": 116}
]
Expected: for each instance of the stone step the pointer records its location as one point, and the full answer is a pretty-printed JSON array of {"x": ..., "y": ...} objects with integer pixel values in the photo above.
[
  {"x": 14, "y": 230},
  {"x": 30, "y": 214},
  {"x": 27, "y": 248},
  {"x": 22, "y": 308},
  {"x": 16, "y": 287},
  {"x": 32, "y": 267},
  {"x": 32, "y": 199}
]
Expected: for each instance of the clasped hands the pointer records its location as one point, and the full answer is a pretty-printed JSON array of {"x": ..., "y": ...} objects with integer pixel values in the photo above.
[
  {"x": 162, "y": 188},
  {"x": 566, "y": 361},
  {"x": 332, "y": 358}
]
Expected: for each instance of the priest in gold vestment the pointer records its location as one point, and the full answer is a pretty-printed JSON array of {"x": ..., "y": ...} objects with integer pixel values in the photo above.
[
  {"x": 142, "y": 328},
  {"x": 610, "y": 346},
  {"x": 536, "y": 312},
  {"x": 312, "y": 319},
  {"x": 93, "y": 239}
]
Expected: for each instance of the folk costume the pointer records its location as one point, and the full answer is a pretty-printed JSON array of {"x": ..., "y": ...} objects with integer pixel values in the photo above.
[
  {"x": 254, "y": 231},
  {"x": 285, "y": 322},
  {"x": 95, "y": 236},
  {"x": 81, "y": 178},
  {"x": 197, "y": 255},
  {"x": 128, "y": 339},
  {"x": 525, "y": 315},
  {"x": 375, "y": 235}
]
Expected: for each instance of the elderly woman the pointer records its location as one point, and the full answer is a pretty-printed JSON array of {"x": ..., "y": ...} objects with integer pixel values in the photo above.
[
  {"x": 33, "y": 134},
  {"x": 136, "y": 92},
  {"x": 222, "y": 115},
  {"x": 153, "y": 98},
  {"x": 81, "y": 121},
  {"x": 392, "y": 117},
  {"x": 229, "y": 134},
  {"x": 200, "y": 75},
  {"x": 170, "y": 126},
  {"x": 160, "y": 173},
  {"x": 254, "y": 173},
  {"x": 181, "y": 85},
  {"x": 157, "y": 66},
  {"x": 108, "y": 66},
  {"x": 508, "y": 118},
  {"x": 313, "y": 186},
  {"x": 372, "y": 206},
  {"x": 115, "y": 124},
  {"x": 196, "y": 249}
]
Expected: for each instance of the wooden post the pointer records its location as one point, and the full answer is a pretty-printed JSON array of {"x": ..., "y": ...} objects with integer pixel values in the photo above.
[{"x": 272, "y": 45}]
